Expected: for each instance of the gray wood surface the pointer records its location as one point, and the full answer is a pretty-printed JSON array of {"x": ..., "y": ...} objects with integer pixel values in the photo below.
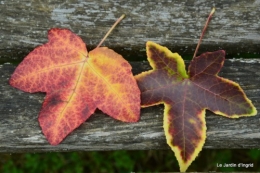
[
  {"x": 234, "y": 27},
  {"x": 20, "y": 132},
  {"x": 177, "y": 24}
]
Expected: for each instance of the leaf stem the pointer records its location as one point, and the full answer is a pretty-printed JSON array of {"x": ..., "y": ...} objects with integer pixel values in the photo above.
[
  {"x": 203, "y": 31},
  {"x": 110, "y": 30}
]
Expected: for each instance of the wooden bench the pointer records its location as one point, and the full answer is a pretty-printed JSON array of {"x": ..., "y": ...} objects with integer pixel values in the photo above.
[{"x": 235, "y": 27}]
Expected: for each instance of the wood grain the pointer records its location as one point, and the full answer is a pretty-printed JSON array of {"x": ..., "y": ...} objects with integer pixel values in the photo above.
[
  {"x": 20, "y": 131},
  {"x": 176, "y": 24}
]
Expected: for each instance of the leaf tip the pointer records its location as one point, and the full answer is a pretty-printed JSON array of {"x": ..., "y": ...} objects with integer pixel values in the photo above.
[
  {"x": 253, "y": 109},
  {"x": 150, "y": 43},
  {"x": 223, "y": 52},
  {"x": 184, "y": 157}
]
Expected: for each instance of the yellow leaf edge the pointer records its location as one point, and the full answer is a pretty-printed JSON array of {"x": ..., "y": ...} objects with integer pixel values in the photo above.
[
  {"x": 174, "y": 56},
  {"x": 183, "y": 166},
  {"x": 253, "y": 108}
]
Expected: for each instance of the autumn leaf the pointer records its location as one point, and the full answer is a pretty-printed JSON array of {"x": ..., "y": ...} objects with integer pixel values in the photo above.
[
  {"x": 76, "y": 83},
  {"x": 186, "y": 96}
]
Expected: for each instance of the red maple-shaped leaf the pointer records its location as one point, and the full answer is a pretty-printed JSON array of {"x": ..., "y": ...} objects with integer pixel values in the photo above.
[
  {"x": 76, "y": 83},
  {"x": 187, "y": 96}
]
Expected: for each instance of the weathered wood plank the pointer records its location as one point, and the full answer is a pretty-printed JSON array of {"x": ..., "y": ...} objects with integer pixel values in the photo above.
[
  {"x": 177, "y": 24},
  {"x": 20, "y": 132}
]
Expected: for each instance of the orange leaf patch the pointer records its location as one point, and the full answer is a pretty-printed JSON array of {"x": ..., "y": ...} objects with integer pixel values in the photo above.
[{"x": 76, "y": 83}]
